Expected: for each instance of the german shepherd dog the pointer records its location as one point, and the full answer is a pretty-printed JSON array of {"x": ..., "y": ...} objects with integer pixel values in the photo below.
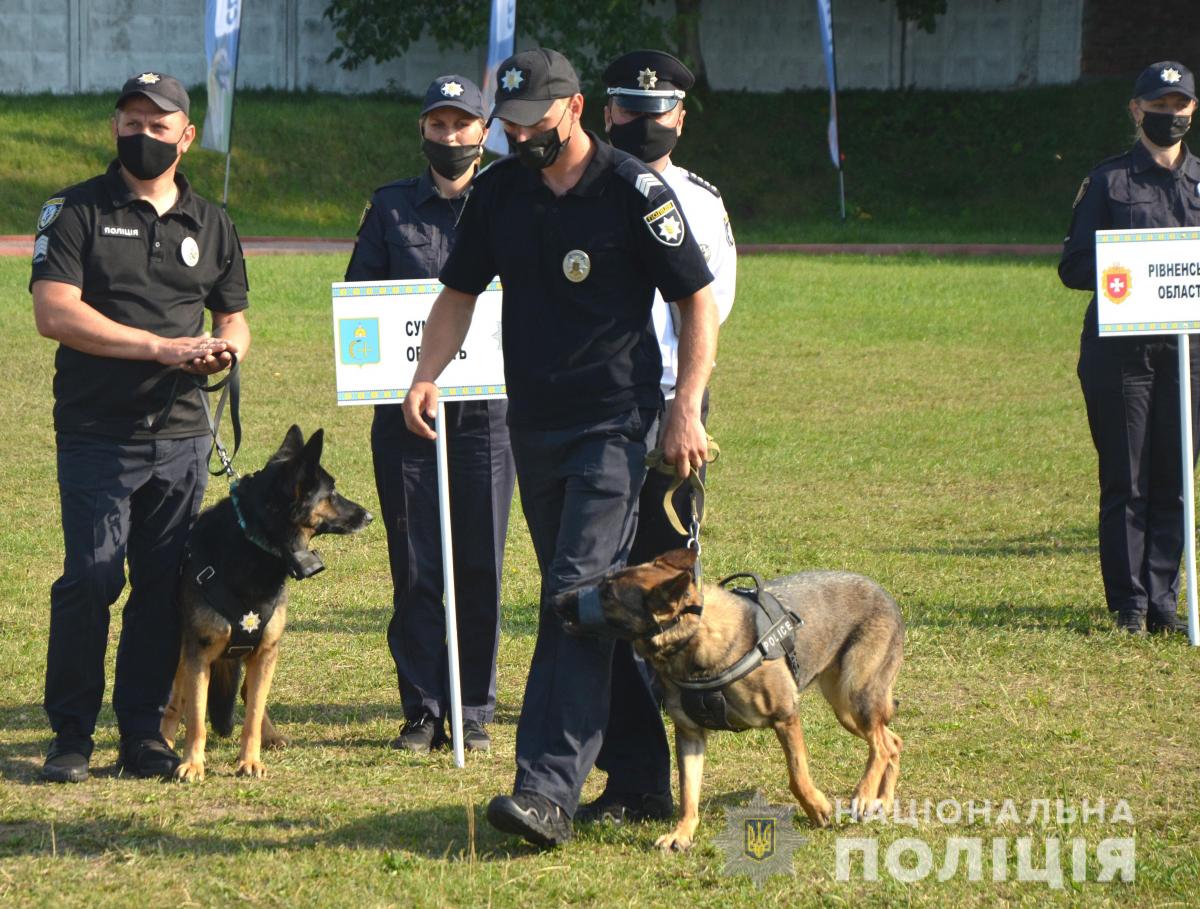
[
  {"x": 233, "y": 595},
  {"x": 851, "y": 643}
]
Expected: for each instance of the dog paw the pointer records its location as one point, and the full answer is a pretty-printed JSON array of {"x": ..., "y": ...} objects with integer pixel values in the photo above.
[
  {"x": 867, "y": 809},
  {"x": 275, "y": 743},
  {"x": 675, "y": 841},
  {"x": 819, "y": 811},
  {"x": 255, "y": 769},
  {"x": 190, "y": 772}
]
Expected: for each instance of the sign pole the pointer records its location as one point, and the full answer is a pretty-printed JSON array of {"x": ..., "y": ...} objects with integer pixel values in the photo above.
[
  {"x": 1189, "y": 483},
  {"x": 443, "y": 474}
]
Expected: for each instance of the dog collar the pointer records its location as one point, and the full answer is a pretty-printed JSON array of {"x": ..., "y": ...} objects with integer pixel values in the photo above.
[{"x": 252, "y": 537}]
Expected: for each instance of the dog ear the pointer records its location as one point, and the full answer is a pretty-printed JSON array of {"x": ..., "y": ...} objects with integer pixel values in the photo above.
[
  {"x": 310, "y": 460},
  {"x": 292, "y": 445},
  {"x": 672, "y": 592},
  {"x": 679, "y": 559}
]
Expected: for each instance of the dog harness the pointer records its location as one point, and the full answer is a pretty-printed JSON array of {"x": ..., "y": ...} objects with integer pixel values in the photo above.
[
  {"x": 703, "y": 698},
  {"x": 247, "y": 624}
]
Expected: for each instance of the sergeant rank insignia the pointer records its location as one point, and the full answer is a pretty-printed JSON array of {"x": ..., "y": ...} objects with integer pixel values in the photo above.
[
  {"x": 666, "y": 224},
  {"x": 577, "y": 265}
]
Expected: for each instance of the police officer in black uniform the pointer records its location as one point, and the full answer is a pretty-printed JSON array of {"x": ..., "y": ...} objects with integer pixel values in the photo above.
[
  {"x": 124, "y": 266},
  {"x": 580, "y": 234},
  {"x": 407, "y": 231},
  {"x": 1131, "y": 384}
]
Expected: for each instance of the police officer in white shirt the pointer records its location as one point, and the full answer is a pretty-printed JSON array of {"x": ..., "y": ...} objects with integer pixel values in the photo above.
[{"x": 644, "y": 117}]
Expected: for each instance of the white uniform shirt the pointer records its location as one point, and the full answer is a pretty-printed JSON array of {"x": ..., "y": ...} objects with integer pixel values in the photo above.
[{"x": 705, "y": 214}]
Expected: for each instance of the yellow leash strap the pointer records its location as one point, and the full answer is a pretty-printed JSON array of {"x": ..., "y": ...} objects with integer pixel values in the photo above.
[{"x": 655, "y": 460}]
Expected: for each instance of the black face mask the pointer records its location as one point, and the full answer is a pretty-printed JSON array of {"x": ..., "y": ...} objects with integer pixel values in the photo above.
[
  {"x": 451, "y": 161},
  {"x": 1163, "y": 129},
  {"x": 540, "y": 151},
  {"x": 144, "y": 156},
  {"x": 644, "y": 138}
]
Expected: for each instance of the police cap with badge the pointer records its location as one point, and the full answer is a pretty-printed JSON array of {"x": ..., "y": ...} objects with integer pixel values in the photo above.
[
  {"x": 454, "y": 91},
  {"x": 166, "y": 92},
  {"x": 647, "y": 81},
  {"x": 1163, "y": 78},
  {"x": 528, "y": 84}
]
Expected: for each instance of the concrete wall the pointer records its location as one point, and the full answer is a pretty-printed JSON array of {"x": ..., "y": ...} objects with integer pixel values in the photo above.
[{"x": 65, "y": 46}]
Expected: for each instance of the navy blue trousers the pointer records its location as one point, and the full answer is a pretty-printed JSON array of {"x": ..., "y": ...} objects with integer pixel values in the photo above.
[
  {"x": 579, "y": 492},
  {"x": 1131, "y": 387},
  {"x": 481, "y": 490},
  {"x": 121, "y": 502}
]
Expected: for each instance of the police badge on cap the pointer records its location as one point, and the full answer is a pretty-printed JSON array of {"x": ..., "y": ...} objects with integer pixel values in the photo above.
[
  {"x": 1163, "y": 78},
  {"x": 648, "y": 81}
]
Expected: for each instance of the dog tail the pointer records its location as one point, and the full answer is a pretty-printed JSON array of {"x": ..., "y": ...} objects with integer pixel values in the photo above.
[{"x": 222, "y": 694}]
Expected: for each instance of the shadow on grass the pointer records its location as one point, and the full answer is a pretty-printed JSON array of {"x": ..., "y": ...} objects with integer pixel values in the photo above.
[
  {"x": 1083, "y": 620},
  {"x": 401, "y": 836},
  {"x": 1064, "y": 542}
]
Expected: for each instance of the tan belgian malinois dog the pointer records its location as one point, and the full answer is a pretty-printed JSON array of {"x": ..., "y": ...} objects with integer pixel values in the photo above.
[{"x": 847, "y": 635}]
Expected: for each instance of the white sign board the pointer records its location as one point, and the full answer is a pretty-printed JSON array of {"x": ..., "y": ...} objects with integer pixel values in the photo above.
[
  {"x": 377, "y": 332},
  {"x": 1148, "y": 281}
]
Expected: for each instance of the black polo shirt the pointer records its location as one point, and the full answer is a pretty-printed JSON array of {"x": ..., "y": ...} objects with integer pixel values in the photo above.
[
  {"x": 407, "y": 231},
  {"x": 157, "y": 274},
  {"x": 577, "y": 351}
]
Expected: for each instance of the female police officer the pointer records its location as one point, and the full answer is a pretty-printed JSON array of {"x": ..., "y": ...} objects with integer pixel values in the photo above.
[
  {"x": 407, "y": 231},
  {"x": 1131, "y": 384}
]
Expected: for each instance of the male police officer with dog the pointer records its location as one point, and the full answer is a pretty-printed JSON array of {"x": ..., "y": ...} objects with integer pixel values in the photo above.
[
  {"x": 644, "y": 117},
  {"x": 580, "y": 234},
  {"x": 124, "y": 266}
]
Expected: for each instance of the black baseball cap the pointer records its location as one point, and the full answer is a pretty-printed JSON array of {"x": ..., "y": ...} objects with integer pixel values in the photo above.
[
  {"x": 454, "y": 91},
  {"x": 528, "y": 83},
  {"x": 647, "y": 81},
  {"x": 165, "y": 91},
  {"x": 1162, "y": 78}
]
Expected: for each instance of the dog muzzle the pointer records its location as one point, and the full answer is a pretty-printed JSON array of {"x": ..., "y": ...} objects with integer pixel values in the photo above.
[
  {"x": 304, "y": 563},
  {"x": 582, "y": 613}
]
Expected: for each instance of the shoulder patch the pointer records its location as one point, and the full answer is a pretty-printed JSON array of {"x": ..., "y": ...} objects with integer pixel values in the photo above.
[
  {"x": 362, "y": 219},
  {"x": 50, "y": 211},
  {"x": 665, "y": 224},
  {"x": 700, "y": 181},
  {"x": 1083, "y": 187}
]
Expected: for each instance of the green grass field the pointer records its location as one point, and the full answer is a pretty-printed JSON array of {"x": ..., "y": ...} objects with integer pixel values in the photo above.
[
  {"x": 912, "y": 419},
  {"x": 920, "y": 166}
]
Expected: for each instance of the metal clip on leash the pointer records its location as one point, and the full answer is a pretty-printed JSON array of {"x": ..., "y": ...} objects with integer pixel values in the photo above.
[{"x": 655, "y": 460}]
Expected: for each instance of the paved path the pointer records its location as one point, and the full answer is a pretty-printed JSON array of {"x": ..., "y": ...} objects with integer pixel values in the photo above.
[{"x": 15, "y": 245}]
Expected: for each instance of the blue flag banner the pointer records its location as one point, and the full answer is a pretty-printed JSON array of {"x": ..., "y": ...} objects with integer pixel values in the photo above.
[
  {"x": 501, "y": 29},
  {"x": 825, "y": 15},
  {"x": 222, "y": 30}
]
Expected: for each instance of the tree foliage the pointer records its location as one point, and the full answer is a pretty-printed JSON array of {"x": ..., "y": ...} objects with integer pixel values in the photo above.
[
  {"x": 589, "y": 35},
  {"x": 923, "y": 13}
]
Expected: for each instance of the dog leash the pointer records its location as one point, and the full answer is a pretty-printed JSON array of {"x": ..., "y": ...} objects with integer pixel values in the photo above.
[
  {"x": 230, "y": 388},
  {"x": 656, "y": 460}
]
